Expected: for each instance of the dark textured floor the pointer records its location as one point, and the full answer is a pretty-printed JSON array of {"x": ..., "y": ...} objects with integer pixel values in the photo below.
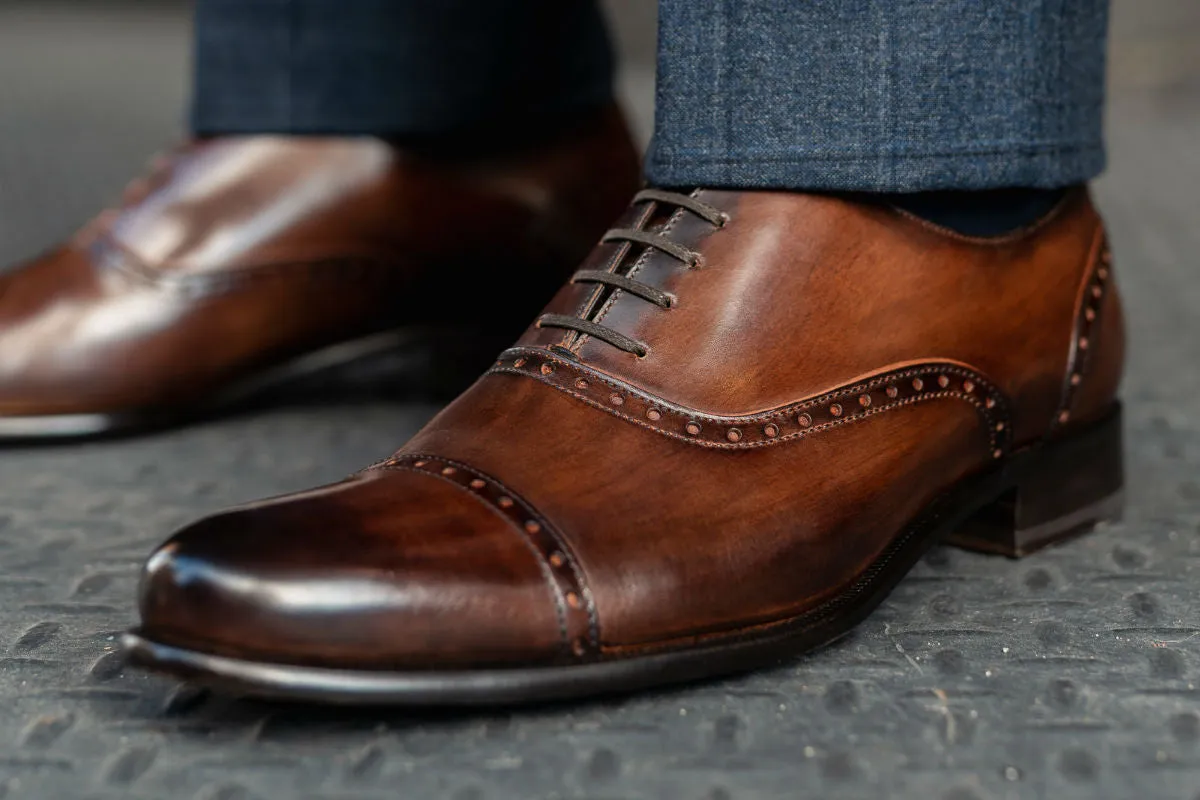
[{"x": 1069, "y": 675}]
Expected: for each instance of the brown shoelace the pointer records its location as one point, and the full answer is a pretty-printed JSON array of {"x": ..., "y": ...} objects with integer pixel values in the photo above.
[{"x": 633, "y": 286}]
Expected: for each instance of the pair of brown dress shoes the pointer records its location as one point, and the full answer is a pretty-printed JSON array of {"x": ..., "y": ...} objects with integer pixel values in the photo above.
[{"x": 731, "y": 432}]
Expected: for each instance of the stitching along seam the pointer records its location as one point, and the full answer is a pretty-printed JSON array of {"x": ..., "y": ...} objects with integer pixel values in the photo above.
[
  {"x": 1087, "y": 321},
  {"x": 580, "y": 625},
  {"x": 573, "y": 340},
  {"x": 883, "y": 392}
]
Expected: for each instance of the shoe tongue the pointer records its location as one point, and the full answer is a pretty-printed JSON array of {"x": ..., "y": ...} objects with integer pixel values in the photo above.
[
  {"x": 635, "y": 254},
  {"x": 659, "y": 218},
  {"x": 657, "y": 222}
]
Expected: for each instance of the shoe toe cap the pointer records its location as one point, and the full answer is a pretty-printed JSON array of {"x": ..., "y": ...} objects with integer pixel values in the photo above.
[{"x": 391, "y": 569}]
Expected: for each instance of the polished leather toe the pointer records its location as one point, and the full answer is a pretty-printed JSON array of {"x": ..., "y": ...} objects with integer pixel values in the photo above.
[{"x": 390, "y": 569}]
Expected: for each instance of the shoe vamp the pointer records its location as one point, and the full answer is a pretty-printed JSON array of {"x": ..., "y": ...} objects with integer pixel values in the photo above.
[{"x": 677, "y": 539}]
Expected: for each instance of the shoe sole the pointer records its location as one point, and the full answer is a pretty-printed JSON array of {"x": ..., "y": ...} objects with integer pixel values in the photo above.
[
  {"x": 1035, "y": 498},
  {"x": 403, "y": 363}
]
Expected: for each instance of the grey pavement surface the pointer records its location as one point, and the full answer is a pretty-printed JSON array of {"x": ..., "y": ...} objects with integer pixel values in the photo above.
[{"x": 1072, "y": 674}]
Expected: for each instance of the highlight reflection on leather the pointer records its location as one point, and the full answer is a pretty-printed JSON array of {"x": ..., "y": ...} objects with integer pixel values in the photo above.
[
  {"x": 459, "y": 576},
  {"x": 530, "y": 524},
  {"x": 238, "y": 256}
]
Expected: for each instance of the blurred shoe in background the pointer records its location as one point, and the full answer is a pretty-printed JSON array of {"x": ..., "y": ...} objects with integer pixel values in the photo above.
[{"x": 256, "y": 268}]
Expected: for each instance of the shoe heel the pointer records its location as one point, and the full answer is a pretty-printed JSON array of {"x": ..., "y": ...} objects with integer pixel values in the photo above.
[{"x": 1061, "y": 491}]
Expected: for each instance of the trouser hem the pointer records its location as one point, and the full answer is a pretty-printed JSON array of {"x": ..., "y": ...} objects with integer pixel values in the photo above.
[{"x": 1045, "y": 167}]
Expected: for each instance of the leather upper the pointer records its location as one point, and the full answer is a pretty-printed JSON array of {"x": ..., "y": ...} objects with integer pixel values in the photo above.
[
  {"x": 866, "y": 287},
  {"x": 824, "y": 372}
]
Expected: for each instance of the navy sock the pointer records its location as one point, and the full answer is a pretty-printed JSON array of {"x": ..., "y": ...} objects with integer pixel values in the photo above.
[{"x": 982, "y": 213}]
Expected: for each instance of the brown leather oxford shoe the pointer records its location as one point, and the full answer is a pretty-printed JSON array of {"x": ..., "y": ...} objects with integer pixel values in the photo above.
[
  {"x": 245, "y": 267},
  {"x": 728, "y": 437}
]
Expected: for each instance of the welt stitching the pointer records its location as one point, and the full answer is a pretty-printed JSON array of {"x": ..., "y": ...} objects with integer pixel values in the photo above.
[
  {"x": 539, "y": 557},
  {"x": 560, "y": 543}
]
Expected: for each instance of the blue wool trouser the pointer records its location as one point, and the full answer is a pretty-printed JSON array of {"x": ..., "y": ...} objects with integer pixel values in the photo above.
[{"x": 856, "y": 95}]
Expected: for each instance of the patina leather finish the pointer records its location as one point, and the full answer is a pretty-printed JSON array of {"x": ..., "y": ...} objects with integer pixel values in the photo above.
[{"x": 825, "y": 388}]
